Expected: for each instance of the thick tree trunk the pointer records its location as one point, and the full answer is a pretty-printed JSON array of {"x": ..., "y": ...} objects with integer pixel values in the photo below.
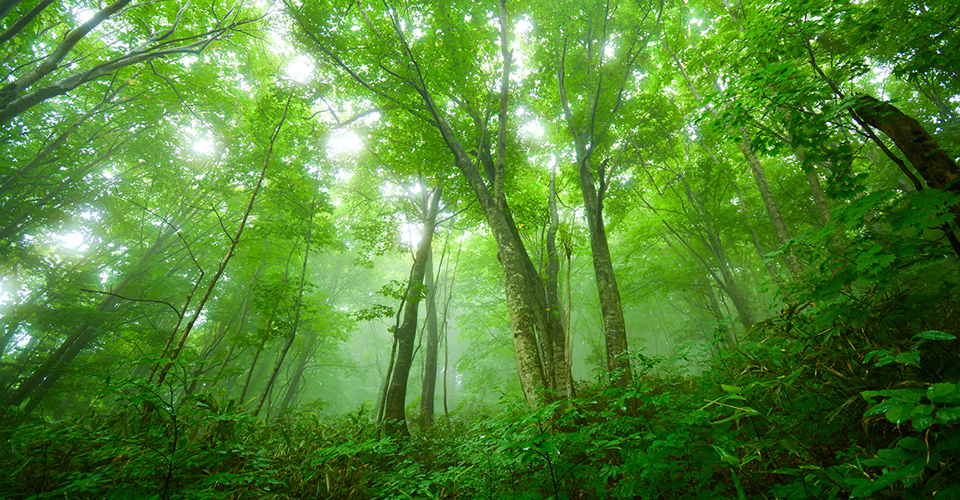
[
  {"x": 928, "y": 158},
  {"x": 819, "y": 197},
  {"x": 585, "y": 140},
  {"x": 394, "y": 416},
  {"x": 522, "y": 285}
]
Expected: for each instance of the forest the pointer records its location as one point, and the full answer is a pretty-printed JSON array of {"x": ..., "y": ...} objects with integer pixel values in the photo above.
[{"x": 458, "y": 249}]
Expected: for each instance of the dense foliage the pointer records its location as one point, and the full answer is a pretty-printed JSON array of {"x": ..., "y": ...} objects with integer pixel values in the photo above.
[{"x": 464, "y": 249}]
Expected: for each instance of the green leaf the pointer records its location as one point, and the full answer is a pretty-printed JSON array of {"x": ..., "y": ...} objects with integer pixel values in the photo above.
[
  {"x": 921, "y": 416},
  {"x": 947, "y": 415},
  {"x": 731, "y": 388},
  {"x": 899, "y": 413},
  {"x": 898, "y": 395},
  {"x": 911, "y": 358},
  {"x": 866, "y": 489},
  {"x": 948, "y": 493},
  {"x": 913, "y": 444},
  {"x": 943, "y": 392},
  {"x": 934, "y": 335},
  {"x": 727, "y": 456},
  {"x": 879, "y": 408}
]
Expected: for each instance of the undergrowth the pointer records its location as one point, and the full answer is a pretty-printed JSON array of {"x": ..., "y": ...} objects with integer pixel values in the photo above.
[{"x": 809, "y": 406}]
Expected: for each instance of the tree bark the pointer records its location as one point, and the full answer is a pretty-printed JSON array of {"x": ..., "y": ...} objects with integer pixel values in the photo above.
[
  {"x": 769, "y": 201},
  {"x": 586, "y": 139},
  {"x": 759, "y": 175}
]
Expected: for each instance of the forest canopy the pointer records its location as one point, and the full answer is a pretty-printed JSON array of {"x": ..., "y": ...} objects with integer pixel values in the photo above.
[{"x": 463, "y": 249}]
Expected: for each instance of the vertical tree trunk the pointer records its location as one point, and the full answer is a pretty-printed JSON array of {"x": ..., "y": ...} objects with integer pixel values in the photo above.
[
  {"x": 586, "y": 140},
  {"x": 747, "y": 217},
  {"x": 614, "y": 324},
  {"x": 522, "y": 285},
  {"x": 769, "y": 201},
  {"x": 234, "y": 241},
  {"x": 253, "y": 366},
  {"x": 759, "y": 175},
  {"x": 394, "y": 416},
  {"x": 560, "y": 376},
  {"x": 429, "y": 386}
]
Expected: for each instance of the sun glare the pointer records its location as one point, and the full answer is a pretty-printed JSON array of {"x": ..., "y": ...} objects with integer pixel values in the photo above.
[
  {"x": 344, "y": 143},
  {"x": 301, "y": 69}
]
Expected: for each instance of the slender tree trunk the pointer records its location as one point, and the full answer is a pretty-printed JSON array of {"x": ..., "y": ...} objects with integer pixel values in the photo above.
[
  {"x": 711, "y": 240},
  {"x": 429, "y": 386},
  {"x": 394, "y": 416},
  {"x": 759, "y": 175},
  {"x": 444, "y": 330},
  {"x": 297, "y": 310},
  {"x": 559, "y": 367},
  {"x": 243, "y": 318},
  {"x": 769, "y": 201},
  {"x": 761, "y": 254},
  {"x": 294, "y": 387},
  {"x": 253, "y": 366},
  {"x": 819, "y": 197}
]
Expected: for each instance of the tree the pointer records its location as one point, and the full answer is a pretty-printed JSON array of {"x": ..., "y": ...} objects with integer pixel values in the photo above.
[
  {"x": 381, "y": 60},
  {"x": 405, "y": 332}
]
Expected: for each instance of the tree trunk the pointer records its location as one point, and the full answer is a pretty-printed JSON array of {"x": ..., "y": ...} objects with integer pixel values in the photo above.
[
  {"x": 560, "y": 376},
  {"x": 429, "y": 387},
  {"x": 614, "y": 325},
  {"x": 293, "y": 388},
  {"x": 253, "y": 366},
  {"x": 522, "y": 284},
  {"x": 931, "y": 161},
  {"x": 234, "y": 241},
  {"x": 769, "y": 201},
  {"x": 759, "y": 174},
  {"x": 394, "y": 416},
  {"x": 585, "y": 142}
]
